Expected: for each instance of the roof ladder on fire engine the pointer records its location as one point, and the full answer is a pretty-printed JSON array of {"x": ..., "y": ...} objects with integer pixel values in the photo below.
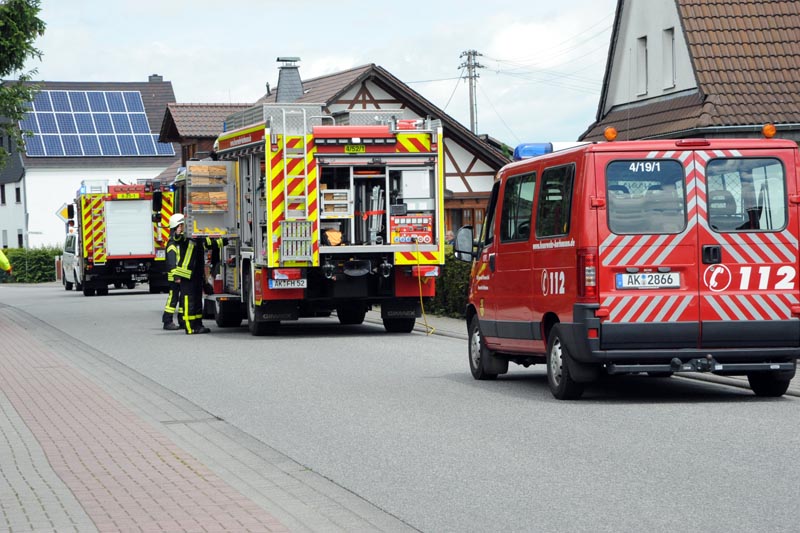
[
  {"x": 98, "y": 242},
  {"x": 294, "y": 159},
  {"x": 296, "y": 231}
]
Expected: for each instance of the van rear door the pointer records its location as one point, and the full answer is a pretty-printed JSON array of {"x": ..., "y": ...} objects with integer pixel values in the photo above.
[
  {"x": 748, "y": 234},
  {"x": 648, "y": 266}
]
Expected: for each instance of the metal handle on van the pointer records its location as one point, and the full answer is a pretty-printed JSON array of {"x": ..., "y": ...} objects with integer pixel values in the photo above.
[{"x": 491, "y": 262}]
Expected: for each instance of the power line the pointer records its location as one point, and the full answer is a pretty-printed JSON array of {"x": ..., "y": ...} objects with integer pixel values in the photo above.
[
  {"x": 461, "y": 75},
  {"x": 498, "y": 115}
]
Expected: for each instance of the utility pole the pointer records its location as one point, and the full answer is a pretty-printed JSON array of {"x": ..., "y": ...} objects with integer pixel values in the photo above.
[{"x": 472, "y": 75}]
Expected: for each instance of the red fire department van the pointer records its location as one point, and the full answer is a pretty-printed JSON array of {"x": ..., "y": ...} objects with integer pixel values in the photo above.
[{"x": 640, "y": 257}]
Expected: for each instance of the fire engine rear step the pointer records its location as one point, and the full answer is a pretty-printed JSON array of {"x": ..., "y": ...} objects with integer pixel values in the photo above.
[{"x": 703, "y": 364}]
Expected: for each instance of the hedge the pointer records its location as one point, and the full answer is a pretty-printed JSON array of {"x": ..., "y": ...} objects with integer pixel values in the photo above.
[
  {"x": 35, "y": 265},
  {"x": 452, "y": 288}
]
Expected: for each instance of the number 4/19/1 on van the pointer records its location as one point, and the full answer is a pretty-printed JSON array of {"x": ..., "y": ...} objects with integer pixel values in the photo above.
[{"x": 640, "y": 257}]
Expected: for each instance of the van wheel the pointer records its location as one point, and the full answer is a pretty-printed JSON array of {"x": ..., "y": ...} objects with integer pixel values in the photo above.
[
  {"x": 560, "y": 381},
  {"x": 768, "y": 384},
  {"x": 479, "y": 354},
  {"x": 67, "y": 284},
  {"x": 399, "y": 325},
  {"x": 78, "y": 284}
]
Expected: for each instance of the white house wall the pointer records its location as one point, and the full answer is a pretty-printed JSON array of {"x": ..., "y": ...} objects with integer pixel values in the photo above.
[
  {"x": 647, "y": 18},
  {"x": 48, "y": 189},
  {"x": 461, "y": 162},
  {"x": 12, "y": 216}
]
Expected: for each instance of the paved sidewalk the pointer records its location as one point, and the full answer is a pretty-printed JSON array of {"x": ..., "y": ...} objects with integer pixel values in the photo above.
[
  {"x": 86, "y": 444},
  {"x": 457, "y": 328}
]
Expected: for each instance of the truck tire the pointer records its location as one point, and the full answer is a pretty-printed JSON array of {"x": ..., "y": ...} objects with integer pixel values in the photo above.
[
  {"x": 399, "y": 325},
  {"x": 351, "y": 314},
  {"x": 228, "y": 320},
  {"x": 102, "y": 292},
  {"x": 67, "y": 284},
  {"x": 479, "y": 354},
  {"x": 257, "y": 328},
  {"x": 561, "y": 383},
  {"x": 88, "y": 292},
  {"x": 768, "y": 384},
  {"x": 130, "y": 284}
]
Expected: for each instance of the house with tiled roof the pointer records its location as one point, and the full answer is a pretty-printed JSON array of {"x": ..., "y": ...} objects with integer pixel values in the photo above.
[
  {"x": 701, "y": 68},
  {"x": 471, "y": 162},
  {"x": 80, "y": 131}
]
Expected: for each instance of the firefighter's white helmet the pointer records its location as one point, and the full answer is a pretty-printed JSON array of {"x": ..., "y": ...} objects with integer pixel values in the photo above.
[{"x": 175, "y": 220}]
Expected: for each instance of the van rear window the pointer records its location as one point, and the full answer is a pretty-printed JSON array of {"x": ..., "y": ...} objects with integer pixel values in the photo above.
[{"x": 646, "y": 196}]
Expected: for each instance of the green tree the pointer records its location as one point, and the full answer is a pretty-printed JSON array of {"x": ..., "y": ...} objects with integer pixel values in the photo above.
[{"x": 19, "y": 27}]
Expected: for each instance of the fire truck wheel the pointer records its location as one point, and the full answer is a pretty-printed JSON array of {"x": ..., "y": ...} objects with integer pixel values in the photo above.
[
  {"x": 768, "y": 384},
  {"x": 257, "y": 328},
  {"x": 102, "y": 292},
  {"x": 131, "y": 284},
  {"x": 559, "y": 379},
  {"x": 88, "y": 292},
  {"x": 67, "y": 284},
  {"x": 479, "y": 354},
  {"x": 399, "y": 325},
  {"x": 117, "y": 284},
  {"x": 351, "y": 314}
]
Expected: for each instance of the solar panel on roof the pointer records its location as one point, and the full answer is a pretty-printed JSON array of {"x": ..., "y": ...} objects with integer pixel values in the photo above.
[
  {"x": 121, "y": 123},
  {"x": 90, "y": 144},
  {"x": 52, "y": 145},
  {"x": 84, "y": 122},
  {"x": 66, "y": 123},
  {"x": 97, "y": 101},
  {"x": 47, "y": 122},
  {"x": 163, "y": 148},
  {"x": 127, "y": 146},
  {"x": 133, "y": 101},
  {"x": 145, "y": 145},
  {"x": 108, "y": 144},
  {"x": 41, "y": 102},
  {"x": 139, "y": 123},
  {"x": 60, "y": 101},
  {"x": 72, "y": 145},
  {"x": 34, "y": 146},
  {"x": 90, "y": 123},
  {"x": 79, "y": 101},
  {"x": 115, "y": 102}
]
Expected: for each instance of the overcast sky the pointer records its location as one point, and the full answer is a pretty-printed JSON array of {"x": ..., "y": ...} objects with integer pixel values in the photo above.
[{"x": 543, "y": 62}]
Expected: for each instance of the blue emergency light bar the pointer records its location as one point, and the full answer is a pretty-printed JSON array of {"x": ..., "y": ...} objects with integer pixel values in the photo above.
[{"x": 528, "y": 150}]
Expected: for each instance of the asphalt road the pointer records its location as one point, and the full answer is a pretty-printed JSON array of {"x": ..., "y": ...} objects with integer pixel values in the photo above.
[{"x": 398, "y": 420}]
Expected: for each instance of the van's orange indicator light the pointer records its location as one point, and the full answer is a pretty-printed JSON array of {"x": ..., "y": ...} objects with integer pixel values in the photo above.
[
  {"x": 602, "y": 312},
  {"x": 610, "y": 134},
  {"x": 769, "y": 131},
  {"x": 593, "y": 333}
]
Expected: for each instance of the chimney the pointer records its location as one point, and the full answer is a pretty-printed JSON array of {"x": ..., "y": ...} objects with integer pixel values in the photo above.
[
  {"x": 155, "y": 78},
  {"x": 290, "y": 86}
]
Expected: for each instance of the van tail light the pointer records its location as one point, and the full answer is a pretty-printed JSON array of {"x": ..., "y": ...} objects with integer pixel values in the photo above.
[{"x": 587, "y": 274}]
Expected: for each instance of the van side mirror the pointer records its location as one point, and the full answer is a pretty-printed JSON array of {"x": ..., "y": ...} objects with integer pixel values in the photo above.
[
  {"x": 71, "y": 211},
  {"x": 464, "y": 245}
]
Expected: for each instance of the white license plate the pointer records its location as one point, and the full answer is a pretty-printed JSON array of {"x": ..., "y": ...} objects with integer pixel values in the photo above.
[
  {"x": 649, "y": 280},
  {"x": 287, "y": 283}
]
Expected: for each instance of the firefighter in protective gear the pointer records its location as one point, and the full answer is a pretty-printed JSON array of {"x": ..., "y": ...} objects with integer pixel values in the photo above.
[
  {"x": 171, "y": 306},
  {"x": 188, "y": 256},
  {"x": 5, "y": 265}
]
